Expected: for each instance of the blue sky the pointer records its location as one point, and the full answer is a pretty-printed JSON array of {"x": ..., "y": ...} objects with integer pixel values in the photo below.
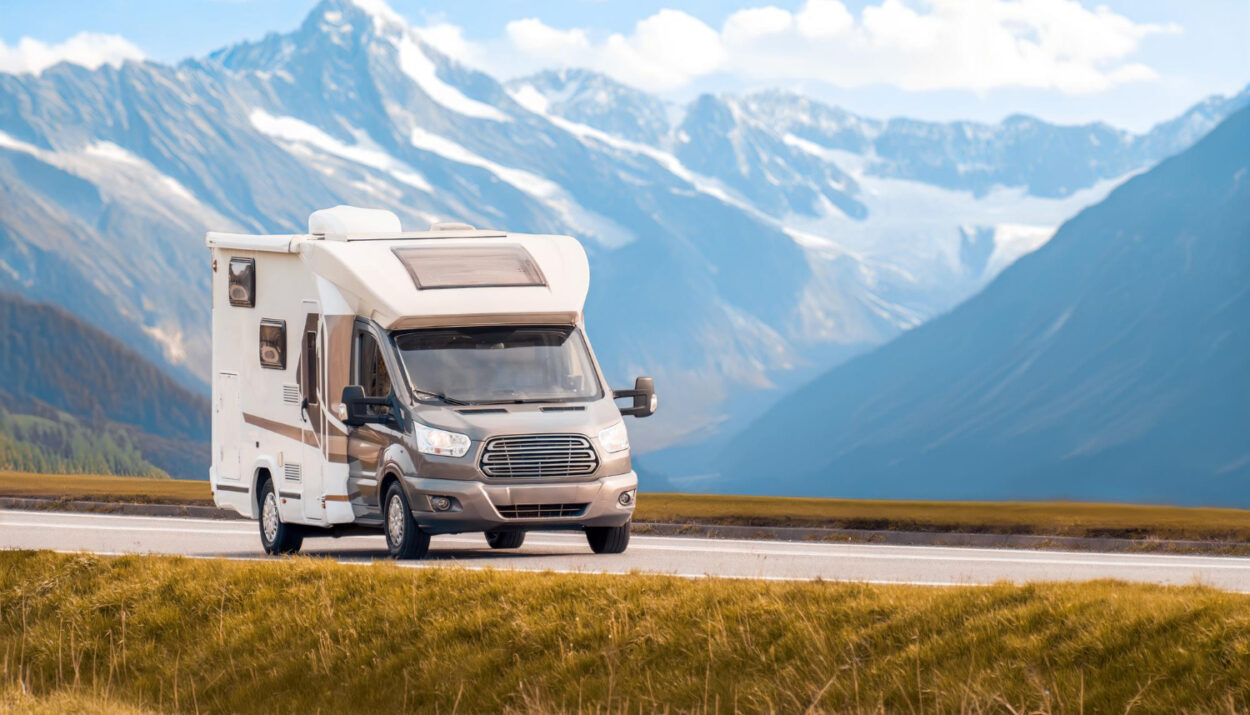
[{"x": 1131, "y": 63}]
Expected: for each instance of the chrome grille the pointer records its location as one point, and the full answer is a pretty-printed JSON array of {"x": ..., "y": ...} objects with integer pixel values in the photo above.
[
  {"x": 541, "y": 511},
  {"x": 539, "y": 455}
]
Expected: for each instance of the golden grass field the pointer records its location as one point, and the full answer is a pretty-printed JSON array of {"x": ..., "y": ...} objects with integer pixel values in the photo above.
[
  {"x": 1045, "y": 518},
  {"x": 301, "y": 635}
]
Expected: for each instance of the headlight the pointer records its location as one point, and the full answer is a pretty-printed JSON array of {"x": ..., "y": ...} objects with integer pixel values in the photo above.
[
  {"x": 614, "y": 438},
  {"x": 441, "y": 442}
]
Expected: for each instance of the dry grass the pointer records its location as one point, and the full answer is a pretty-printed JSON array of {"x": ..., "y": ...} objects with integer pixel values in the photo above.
[
  {"x": 311, "y": 636},
  {"x": 1044, "y": 518},
  {"x": 135, "y": 490}
]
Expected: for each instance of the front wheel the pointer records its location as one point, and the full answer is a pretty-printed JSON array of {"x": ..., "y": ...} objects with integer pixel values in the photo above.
[
  {"x": 404, "y": 539},
  {"x": 608, "y": 539},
  {"x": 276, "y": 536},
  {"x": 505, "y": 539}
]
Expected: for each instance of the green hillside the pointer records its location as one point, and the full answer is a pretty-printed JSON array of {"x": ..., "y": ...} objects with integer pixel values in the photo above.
[
  {"x": 74, "y": 399},
  {"x": 65, "y": 445}
]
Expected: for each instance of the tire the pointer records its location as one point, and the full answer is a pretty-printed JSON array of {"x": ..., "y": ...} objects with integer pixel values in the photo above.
[
  {"x": 505, "y": 539},
  {"x": 608, "y": 539},
  {"x": 404, "y": 539},
  {"x": 275, "y": 536}
]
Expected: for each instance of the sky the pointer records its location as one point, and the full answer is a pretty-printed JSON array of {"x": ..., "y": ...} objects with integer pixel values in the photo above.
[{"x": 1127, "y": 62}]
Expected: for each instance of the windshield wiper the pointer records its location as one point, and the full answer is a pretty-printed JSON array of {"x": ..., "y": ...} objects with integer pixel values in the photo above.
[
  {"x": 439, "y": 396},
  {"x": 523, "y": 401}
]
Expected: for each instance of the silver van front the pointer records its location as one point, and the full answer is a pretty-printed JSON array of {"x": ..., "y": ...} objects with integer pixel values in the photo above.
[{"x": 502, "y": 428}]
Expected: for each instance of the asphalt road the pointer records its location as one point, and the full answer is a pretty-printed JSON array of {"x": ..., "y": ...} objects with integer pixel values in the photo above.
[{"x": 681, "y": 556}]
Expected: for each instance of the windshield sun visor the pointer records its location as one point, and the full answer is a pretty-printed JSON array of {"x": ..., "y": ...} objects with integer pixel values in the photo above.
[{"x": 470, "y": 266}]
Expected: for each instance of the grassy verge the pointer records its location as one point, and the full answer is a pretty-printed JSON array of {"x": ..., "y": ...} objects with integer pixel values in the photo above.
[
  {"x": 302, "y": 635},
  {"x": 134, "y": 490},
  {"x": 1042, "y": 518}
]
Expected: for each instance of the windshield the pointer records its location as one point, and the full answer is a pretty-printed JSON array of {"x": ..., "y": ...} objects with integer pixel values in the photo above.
[{"x": 499, "y": 364}]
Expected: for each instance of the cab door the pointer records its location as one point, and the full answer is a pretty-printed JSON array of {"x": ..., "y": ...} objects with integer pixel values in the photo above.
[{"x": 366, "y": 443}]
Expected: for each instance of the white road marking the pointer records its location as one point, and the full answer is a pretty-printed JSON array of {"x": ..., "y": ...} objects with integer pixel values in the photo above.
[{"x": 685, "y": 557}]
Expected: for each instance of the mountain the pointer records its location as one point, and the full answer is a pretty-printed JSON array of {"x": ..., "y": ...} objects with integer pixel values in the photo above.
[
  {"x": 735, "y": 244},
  {"x": 73, "y": 398},
  {"x": 595, "y": 100},
  {"x": 1111, "y": 364}
]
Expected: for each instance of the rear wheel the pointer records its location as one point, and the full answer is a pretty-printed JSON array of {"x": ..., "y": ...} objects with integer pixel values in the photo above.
[
  {"x": 277, "y": 537},
  {"x": 505, "y": 539},
  {"x": 404, "y": 539},
  {"x": 608, "y": 539}
]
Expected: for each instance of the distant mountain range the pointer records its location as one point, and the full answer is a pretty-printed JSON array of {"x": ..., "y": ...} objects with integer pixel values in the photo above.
[
  {"x": 739, "y": 244},
  {"x": 75, "y": 399},
  {"x": 1111, "y": 364}
]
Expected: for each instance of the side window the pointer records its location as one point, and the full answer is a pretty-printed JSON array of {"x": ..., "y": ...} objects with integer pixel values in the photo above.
[
  {"x": 242, "y": 287},
  {"x": 310, "y": 367},
  {"x": 371, "y": 371},
  {"x": 273, "y": 344}
]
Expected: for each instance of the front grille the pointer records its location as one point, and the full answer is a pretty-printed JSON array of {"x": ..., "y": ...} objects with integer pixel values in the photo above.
[
  {"x": 539, "y": 455},
  {"x": 541, "y": 511}
]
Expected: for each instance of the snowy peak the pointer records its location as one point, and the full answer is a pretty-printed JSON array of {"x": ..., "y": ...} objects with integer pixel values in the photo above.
[{"x": 597, "y": 101}]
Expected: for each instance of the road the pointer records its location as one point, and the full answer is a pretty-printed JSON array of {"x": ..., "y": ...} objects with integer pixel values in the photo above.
[{"x": 681, "y": 556}]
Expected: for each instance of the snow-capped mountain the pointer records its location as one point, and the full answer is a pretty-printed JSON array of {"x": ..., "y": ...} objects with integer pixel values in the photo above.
[
  {"x": 733, "y": 242},
  {"x": 1111, "y": 364}
]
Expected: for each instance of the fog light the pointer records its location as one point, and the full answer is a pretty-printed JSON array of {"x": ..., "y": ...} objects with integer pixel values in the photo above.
[
  {"x": 626, "y": 498},
  {"x": 440, "y": 503}
]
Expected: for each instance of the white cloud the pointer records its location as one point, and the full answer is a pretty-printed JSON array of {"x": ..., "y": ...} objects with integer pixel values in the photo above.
[
  {"x": 89, "y": 49},
  {"x": 822, "y": 19},
  {"x": 974, "y": 45}
]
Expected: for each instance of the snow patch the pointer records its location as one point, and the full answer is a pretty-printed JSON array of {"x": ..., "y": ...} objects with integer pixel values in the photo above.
[
  {"x": 1013, "y": 240},
  {"x": 551, "y": 194},
  {"x": 171, "y": 341},
  {"x": 421, "y": 69},
  {"x": 363, "y": 152},
  {"x": 531, "y": 99}
]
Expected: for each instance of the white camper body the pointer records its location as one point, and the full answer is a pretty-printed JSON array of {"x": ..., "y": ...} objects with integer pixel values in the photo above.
[{"x": 301, "y": 321}]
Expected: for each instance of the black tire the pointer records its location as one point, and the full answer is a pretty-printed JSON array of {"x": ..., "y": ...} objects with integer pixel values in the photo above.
[
  {"x": 505, "y": 539},
  {"x": 608, "y": 539},
  {"x": 404, "y": 539},
  {"x": 275, "y": 536}
]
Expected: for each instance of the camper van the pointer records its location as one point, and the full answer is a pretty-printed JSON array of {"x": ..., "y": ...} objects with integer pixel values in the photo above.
[{"x": 370, "y": 379}]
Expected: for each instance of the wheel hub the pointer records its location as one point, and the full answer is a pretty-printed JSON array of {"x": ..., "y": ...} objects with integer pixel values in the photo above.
[
  {"x": 269, "y": 518},
  {"x": 395, "y": 519}
]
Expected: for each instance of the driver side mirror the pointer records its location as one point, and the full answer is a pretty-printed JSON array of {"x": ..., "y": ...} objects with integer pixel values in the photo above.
[
  {"x": 356, "y": 407},
  {"x": 645, "y": 400}
]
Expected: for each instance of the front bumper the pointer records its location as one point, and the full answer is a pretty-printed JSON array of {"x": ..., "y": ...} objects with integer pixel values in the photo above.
[{"x": 478, "y": 505}]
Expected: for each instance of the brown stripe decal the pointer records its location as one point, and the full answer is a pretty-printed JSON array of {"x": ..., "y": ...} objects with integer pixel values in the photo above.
[
  {"x": 298, "y": 434},
  {"x": 342, "y": 497},
  {"x": 289, "y": 431}
]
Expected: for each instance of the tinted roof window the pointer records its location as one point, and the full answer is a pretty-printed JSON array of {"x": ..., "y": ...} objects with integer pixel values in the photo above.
[{"x": 470, "y": 266}]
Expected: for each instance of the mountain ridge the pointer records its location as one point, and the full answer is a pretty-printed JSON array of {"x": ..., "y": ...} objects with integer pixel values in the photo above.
[{"x": 1110, "y": 364}]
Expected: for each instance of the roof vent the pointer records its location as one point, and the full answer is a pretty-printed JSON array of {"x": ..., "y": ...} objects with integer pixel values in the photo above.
[
  {"x": 451, "y": 226},
  {"x": 351, "y": 219}
]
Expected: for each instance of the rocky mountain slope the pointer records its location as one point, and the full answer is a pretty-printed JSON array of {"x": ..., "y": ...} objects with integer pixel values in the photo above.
[{"x": 1111, "y": 364}]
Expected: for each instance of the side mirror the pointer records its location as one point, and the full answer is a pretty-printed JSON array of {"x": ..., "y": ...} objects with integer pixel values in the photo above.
[
  {"x": 356, "y": 406},
  {"x": 643, "y": 394}
]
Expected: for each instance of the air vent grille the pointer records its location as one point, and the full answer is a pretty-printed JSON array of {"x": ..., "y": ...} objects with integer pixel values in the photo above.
[
  {"x": 290, "y": 394},
  {"x": 541, "y": 511},
  {"x": 292, "y": 472},
  {"x": 539, "y": 456}
]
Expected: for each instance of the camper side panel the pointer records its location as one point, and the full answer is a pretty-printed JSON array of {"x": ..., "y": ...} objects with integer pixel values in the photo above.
[{"x": 261, "y": 304}]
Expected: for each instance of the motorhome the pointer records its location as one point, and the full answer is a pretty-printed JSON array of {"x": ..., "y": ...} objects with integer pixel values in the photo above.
[{"x": 414, "y": 383}]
